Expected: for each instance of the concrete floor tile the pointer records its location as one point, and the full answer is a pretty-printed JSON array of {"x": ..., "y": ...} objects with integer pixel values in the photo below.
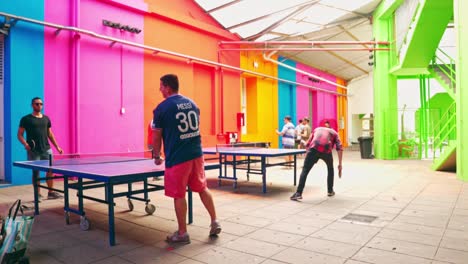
[
  {"x": 359, "y": 239},
  {"x": 237, "y": 229},
  {"x": 370, "y": 255},
  {"x": 292, "y": 228},
  {"x": 350, "y": 261},
  {"x": 428, "y": 230},
  {"x": 454, "y": 243},
  {"x": 354, "y": 228},
  {"x": 278, "y": 237},
  {"x": 270, "y": 261},
  {"x": 54, "y": 240},
  {"x": 326, "y": 215},
  {"x": 196, "y": 247},
  {"x": 254, "y": 247},
  {"x": 403, "y": 247},
  {"x": 190, "y": 261},
  {"x": 380, "y": 208},
  {"x": 227, "y": 256},
  {"x": 460, "y": 212},
  {"x": 425, "y": 214},
  {"x": 451, "y": 255},
  {"x": 149, "y": 254},
  {"x": 307, "y": 221},
  {"x": 327, "y": 247},
  {"x": 299, "y": 256},
  {"x": 430, "y": 240},
  {"x": 113, "y": 260},
  {"x": 250, "y": 220},
  {"x": 456, "y": 234},
  {"x": 81, "y": 253},
  {"x": 380, "y": 215},
  {"x": 432, "y": 222}
]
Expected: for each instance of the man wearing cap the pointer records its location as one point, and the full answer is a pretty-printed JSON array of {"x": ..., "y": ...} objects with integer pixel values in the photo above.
[
  {"x": 319, "y": 146},
  {"x": 306, "y": 130},
  {"x": 288, "y": 133}
]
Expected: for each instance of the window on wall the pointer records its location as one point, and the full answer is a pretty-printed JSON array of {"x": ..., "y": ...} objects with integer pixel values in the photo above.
[{"x": 244, "y": 105}]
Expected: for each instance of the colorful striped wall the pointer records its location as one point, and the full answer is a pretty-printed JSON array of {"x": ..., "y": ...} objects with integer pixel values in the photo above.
[{"x": 100, "y": 95}]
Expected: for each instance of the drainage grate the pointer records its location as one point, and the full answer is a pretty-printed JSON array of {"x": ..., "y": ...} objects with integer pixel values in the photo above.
[{"x": 360, "y": 218}]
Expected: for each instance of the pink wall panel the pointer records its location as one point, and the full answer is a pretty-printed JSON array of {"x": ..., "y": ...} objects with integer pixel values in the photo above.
[
  {"x": 110, "y": 78},
  {"x": 323, "y": 104},
  {"x": 302, "y": 102},
  {"x": 57, "y": 94}
]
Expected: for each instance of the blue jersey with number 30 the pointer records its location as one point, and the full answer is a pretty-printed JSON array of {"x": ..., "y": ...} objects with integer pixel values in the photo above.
[{"x": 178, "y": 117}]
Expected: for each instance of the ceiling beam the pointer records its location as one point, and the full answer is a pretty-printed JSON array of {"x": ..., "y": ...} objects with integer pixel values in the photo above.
[
  {"x": 270, "y": 14},
  {"x": 223, "y": 6},
  {"x": 275, "y": 25}
]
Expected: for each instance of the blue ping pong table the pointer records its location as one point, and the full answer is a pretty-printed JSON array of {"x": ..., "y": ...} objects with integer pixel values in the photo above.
[
  {"x": 104, "y": 174},
  {"x": 246, "y": 156}
]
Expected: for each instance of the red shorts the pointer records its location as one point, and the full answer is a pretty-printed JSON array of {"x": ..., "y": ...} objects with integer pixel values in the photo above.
[{"x": 190, "y": 173}]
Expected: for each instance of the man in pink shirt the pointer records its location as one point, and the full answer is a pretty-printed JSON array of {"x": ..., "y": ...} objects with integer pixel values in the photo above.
[{"x": 319, "y": 146}]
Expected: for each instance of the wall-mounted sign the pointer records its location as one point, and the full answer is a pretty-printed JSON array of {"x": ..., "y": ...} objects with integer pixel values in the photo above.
[{"x": 120, "y": 26}]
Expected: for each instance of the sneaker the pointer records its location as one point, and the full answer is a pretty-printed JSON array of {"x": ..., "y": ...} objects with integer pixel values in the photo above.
[
  {"x": 54, "y": 195},
  {"x": 176, "y": 238},
  {"x": 331, "y": 194},
  {"x": 215, "y": 228},
  {"x": 296, "y": 196}
]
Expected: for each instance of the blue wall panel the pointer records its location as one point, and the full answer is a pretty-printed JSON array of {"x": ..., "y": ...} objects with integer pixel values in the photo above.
[
  {"x": 24, "y": 78},
  {"x": 286, "y": 93}
]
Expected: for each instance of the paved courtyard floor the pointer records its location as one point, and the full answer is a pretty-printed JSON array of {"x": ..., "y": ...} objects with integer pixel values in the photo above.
[{"x": 422, "y": 217}]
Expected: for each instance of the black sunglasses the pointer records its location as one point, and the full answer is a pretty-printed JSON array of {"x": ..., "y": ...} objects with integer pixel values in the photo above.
[{"x": 38, "y": 103}]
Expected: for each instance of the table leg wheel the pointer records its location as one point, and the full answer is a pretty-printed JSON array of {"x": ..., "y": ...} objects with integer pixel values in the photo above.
[
  {"x": 84, "y": 223},
  {"x": 130, "y": 205},
  {"x": 150, "y": 208},
  {"x": 67, "y": 218}
]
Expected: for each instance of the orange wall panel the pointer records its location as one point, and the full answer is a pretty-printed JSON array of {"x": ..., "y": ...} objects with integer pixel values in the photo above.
[
  {"x": 216, "y": 91},
  {"x": 342, "y": 105}
]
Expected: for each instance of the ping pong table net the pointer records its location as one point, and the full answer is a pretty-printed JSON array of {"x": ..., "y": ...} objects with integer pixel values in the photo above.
[
  {"x": 96, "y": 158},
  {"x": 241, "y": 146}
]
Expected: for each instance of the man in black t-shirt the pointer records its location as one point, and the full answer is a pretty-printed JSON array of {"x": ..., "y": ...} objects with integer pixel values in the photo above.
[{"x": 38, "y": 132}]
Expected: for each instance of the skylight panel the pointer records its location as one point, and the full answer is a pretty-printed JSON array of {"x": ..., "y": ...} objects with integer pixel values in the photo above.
[
  {"x": 210, "y": 4},
  {"x": 349, "y": 5},
  {"x": 267, "y": 37},
  {"x": 257, "y": 26},
  {"x": 251, "y": 9},
  {"x": 292, "y": 27},
  {"x": 320, "y": 14}
]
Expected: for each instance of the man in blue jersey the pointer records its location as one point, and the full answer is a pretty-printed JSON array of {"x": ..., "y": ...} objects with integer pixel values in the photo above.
[{"x": 176, "y": 124}]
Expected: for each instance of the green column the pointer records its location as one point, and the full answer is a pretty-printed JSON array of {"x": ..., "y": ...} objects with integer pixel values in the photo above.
[
  {"x": 385, "y": 86},
  {"x": 461, "y": 26}
]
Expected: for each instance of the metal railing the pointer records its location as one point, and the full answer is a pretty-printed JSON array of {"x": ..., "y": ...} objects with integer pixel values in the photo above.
[
  {"x": 446, "y": 66},
  {"x": 445, "y": 130}
]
